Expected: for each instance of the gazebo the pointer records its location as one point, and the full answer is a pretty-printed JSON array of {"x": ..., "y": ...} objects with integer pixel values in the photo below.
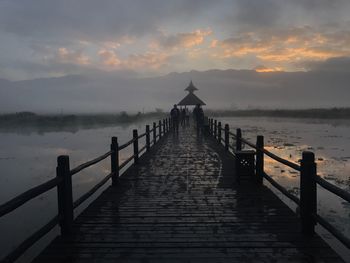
[{"x": 191, "y": 99}]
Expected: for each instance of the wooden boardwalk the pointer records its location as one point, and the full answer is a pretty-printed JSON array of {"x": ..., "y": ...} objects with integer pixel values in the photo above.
[{"x": 182, "y": 204}]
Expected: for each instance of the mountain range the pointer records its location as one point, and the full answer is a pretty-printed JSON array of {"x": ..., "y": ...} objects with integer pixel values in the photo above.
[{"x": 219, "y": 89}]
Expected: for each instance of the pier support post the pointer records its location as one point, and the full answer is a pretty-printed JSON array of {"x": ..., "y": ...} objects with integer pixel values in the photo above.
[
  {"x": 115, "y": 160},
  {"x": 65, "y": 195},
  {"x": 227, "y": 137},
  {"x": 154, "y": 133},
  {"x": 136, "y": 146},
  {"x": 215, "y": 128},
  {"x": 219, "y": 132},
  {"x": 238, "y": 140},
  {"x": 148, "y": 143},
  {"x": 259, "y": 166},
  {"x": 160, "y": 129},
  {"x": 308, "y": 193}
]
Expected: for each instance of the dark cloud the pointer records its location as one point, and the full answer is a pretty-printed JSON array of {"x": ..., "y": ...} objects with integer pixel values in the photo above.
[
  {"x": 338, "y": 64},
  {"x": 90, "y": 19}
]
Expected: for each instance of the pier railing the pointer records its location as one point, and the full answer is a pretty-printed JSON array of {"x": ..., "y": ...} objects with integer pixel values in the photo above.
[
  {"x": 308, "y": 177},
  {"x": 63, "y": 183}
]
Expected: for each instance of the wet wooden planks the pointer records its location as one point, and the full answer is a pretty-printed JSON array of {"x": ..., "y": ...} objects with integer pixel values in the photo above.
[{"x": 182, "y": 204}]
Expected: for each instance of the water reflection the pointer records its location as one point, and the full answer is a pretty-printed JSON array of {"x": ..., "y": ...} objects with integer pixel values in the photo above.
[
  {"x": 28, "y": 158},
  {"x": 288, "y": 138}
]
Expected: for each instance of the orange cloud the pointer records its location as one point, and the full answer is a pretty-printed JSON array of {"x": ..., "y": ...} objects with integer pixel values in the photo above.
[
  {"x": 70, "y": 56},
  {"x": 109, "y": 58},
  {"x": 183, "y": 40},
  {"x": 148, "y": 60},
  {"x": 263, "y": 69},
  {"x": 288, "y": 46}
]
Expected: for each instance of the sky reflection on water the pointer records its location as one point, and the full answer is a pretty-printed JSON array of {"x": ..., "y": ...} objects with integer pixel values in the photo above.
[{"x": 288, "y": 138}]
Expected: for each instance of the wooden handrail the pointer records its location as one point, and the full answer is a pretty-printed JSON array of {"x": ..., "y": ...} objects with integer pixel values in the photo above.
[
  {"x": 21, "y": 199},
  {"x": 332, "y": 188},
  {"x": 281, "y": 189},
  {"x": 141, "y": 135},
  {"x": 63, "y": 183},
  {"x": 28, "y": 242},
  {"x": 89, "y": 163},
  {"x": 123, "y": 146},
  {"x": 273, "y": 156},
  {"x": 85, "y": 196},
  {"x": 308, "y": 181},
  {"x": 121, "y": 166},
  {"x": 339, "y": 235}
]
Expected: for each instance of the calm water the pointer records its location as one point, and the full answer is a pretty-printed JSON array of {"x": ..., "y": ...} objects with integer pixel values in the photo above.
[{"x": 28, "y": 158}]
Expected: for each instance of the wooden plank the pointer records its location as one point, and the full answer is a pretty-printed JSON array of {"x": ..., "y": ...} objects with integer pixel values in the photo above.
[{"x": 182, "y": 203}]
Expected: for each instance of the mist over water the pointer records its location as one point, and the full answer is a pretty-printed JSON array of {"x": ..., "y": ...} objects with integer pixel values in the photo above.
[{"x": 219, "y": 89}]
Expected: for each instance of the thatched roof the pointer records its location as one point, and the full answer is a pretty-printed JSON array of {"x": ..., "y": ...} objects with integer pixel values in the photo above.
[{"x": 190, "y": 100}]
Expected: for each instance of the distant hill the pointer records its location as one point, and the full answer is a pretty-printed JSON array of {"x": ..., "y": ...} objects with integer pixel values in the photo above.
[{"x": 220, "y": 89}]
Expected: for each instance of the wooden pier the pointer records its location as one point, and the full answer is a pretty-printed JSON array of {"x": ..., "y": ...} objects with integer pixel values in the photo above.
[{"x": 182, "y": 201}]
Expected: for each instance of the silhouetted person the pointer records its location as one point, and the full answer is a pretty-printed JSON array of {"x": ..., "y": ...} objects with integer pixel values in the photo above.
[
  {"x": 183, "y": 117},
  {"x": 175, "y": 118},
  {"x": 187, "y": 117},
  {"x": 198, "y": 115}
]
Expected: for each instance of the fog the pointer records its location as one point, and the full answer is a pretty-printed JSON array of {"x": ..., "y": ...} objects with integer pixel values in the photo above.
[{"x": 220, "y": 89}]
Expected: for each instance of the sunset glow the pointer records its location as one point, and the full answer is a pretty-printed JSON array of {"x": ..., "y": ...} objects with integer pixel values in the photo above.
[{"x": 178, "y": 37}]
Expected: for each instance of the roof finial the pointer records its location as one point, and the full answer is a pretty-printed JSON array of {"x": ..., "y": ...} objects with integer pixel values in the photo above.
[{"x": 191, "y": 88}]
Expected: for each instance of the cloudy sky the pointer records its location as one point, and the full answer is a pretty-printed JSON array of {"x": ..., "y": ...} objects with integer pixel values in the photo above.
[{"x": 46, "y": 38}]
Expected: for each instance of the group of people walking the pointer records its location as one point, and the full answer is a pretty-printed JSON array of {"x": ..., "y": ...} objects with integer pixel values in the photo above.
[{"x": 182, "y": 116}]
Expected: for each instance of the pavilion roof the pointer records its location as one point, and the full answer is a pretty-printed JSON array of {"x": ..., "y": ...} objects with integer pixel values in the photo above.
[{"x": 190, "y": 100}]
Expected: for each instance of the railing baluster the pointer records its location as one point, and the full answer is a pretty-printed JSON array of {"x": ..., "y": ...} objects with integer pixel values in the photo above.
[
  {"x": 219, "y": 132},
  {"x": 160, "y": 129},
  {"x": 238, "y": 140},
  {"x": 227, "y": 137},
  {"x": 259, "y": 166},
  {"x": 115, "y": 160},
  {"x": 136, "y": 146},
  {"x": 148, "y": 143},
  {"x": 308, "y": 194},
  {"x": 154, "y": 133},
  {"x": 65, "y": 195},
  {"x": 215, "y": 128}
]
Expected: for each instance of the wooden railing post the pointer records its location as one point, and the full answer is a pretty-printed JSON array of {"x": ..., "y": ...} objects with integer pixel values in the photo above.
[
  {"x": 136, "y": 146},
  {"x": 308, "y": 194},
  {"x": 166, "y": 125},
  {"x": 219, "y": 132},
  {"x": 160, "y": 129},
  {"x": 259, "y": 166},
  {"x": 115, "y": 160},
  {"x": 238, "y": 139},
  {"x": 164, "y": 131},
  {"x": 64, "y": 195},
  {"x": 148, "y": 141},
  {"x": 154, "y": 133},
  {"x": 227, "y": 137},
  {"x": 211, "y": 127},
  {"x": 215, "y": 128}
]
